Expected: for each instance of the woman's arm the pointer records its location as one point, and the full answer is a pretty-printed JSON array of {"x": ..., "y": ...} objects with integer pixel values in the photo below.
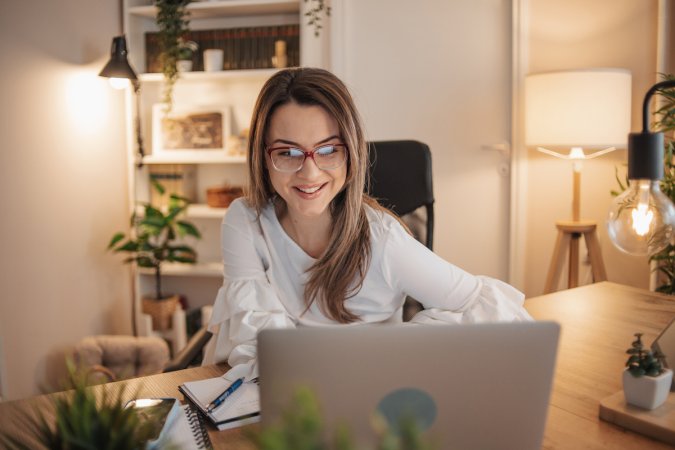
[
  {"x": 440, "y": 286},
  {"x": 247, "y": 302}
]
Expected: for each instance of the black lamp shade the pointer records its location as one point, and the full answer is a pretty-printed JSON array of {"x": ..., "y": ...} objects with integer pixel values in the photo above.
[
  {"x": 645, "y": 156},
  {"x": 118, "y": 66},
  {"x": 645, "y": 149}
]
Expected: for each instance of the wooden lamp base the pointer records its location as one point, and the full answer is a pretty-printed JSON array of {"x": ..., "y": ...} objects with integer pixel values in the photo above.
[{"x": 569, "y": 233}]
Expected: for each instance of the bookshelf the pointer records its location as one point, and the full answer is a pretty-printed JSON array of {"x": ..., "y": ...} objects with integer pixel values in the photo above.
[{"x": 234, "y": 90}]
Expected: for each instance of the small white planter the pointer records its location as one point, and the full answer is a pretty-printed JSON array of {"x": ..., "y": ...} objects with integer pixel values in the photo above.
[
  {"x": 184, "y": 65},
  {"x": 647, "y": 392}
]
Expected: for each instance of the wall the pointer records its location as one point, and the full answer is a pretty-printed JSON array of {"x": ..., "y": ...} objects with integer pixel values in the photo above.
[
  {"x": 571, "y": 34},
  {"x": 63, "y": 185},
  {"x": 439, "y": 72}
]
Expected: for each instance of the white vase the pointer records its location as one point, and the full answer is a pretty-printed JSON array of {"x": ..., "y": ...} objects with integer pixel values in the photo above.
[
  {"x": 647, "y": 392},
  {"x": 184, "y": 65},
  {"x": 213, "y": 60}
]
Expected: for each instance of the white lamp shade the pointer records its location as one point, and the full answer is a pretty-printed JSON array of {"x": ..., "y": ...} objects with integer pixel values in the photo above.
[{"x": 580, "y": 108}]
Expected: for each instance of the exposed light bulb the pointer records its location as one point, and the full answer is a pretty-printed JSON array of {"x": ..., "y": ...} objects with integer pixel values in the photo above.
[
  {"x": 118, "y": 83},
  {"x": 641, "y": 219}
]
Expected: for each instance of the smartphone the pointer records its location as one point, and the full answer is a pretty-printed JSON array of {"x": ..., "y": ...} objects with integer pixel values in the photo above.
[{"x": 159, "y": 414}]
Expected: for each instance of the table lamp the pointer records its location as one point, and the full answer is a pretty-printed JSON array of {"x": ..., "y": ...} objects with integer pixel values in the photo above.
[
  {"x": 642, "y": 218},
  {"x": 569, "y": 113}
]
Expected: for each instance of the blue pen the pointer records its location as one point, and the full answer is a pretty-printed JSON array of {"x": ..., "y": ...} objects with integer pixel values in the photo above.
[{"x": 221, "y": 398}]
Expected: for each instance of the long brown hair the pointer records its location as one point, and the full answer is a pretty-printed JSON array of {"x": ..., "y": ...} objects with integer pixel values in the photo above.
[{"x": 339, "y": 273}]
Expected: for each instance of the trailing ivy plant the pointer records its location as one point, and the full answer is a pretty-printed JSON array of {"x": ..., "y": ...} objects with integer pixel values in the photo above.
[
  {"x": 173, "y": 22},
  {"x": 664, "y": 122},
  {"x": 314, "y": 14}
]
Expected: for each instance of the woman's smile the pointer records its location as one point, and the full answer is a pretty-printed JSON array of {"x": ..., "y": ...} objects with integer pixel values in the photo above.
[{"x": 309, "y": 191}]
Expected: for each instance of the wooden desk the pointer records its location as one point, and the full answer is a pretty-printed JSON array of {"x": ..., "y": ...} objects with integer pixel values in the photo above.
[
  {"x": 598, "y": 322},
  {"x": 597, "y": 326}
]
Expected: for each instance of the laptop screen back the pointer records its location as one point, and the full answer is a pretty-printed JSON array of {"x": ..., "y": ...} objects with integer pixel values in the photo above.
[{"x": 477, "y": 386}]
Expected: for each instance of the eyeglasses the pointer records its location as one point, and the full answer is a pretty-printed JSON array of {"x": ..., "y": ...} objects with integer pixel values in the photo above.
[{"x": 291, "y": 159}]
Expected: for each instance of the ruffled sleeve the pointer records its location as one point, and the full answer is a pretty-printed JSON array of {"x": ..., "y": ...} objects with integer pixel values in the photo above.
[
  {"x": 495, "y": 301},
  {"x": 448, "y": 293},
  {"x": 246, "y": 303}
]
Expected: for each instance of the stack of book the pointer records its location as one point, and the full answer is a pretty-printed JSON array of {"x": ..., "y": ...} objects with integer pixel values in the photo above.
[{"x": 243, "y": 48}]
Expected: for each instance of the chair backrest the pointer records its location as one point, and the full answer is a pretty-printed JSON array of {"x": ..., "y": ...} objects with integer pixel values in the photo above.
[
  {"x": 121, "y": 357},
  {"x": 400, "y": 179}
]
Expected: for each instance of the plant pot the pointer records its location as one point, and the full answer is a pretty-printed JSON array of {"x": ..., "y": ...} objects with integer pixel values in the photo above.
[
  {"x": 161, "y": 311},
  {"x": 221, "y": 197},
  {"x": 184, "y": 65},
  {"x": 647, "y": 392}
]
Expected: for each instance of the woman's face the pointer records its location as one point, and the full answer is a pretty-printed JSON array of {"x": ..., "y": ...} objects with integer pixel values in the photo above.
[{"x": 309, "y": 191}]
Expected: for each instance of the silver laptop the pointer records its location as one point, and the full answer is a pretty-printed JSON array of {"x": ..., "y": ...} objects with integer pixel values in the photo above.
[{"x": 481, "y": 386}]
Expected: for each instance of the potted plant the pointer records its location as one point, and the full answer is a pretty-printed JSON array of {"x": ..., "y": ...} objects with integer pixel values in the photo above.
[
  {"x": 173, "y": 23},
  {"x": 151, "y": 243},
  {"x": 83, "y": 421},
  {"x": 186, "y": 50},
  {"x": 646, "y": 383}
]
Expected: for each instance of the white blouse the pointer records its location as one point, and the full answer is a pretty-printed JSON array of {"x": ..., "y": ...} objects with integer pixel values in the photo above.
[{"x": 265, "y": 274}]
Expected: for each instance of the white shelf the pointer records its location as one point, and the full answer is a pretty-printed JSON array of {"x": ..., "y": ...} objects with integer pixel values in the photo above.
[
  {"x": 200, "y": 10},
  {"x": 208, "y": 269},
  {"x": 202, "y": 211},
  {"x": 200, "y": 158},
  {"x": 224, "y": 75},
  {"x": 194, "y": 211}
]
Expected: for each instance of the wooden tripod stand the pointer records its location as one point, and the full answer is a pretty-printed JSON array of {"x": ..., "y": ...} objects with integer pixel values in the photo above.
[{"x": 569, "y": 233}]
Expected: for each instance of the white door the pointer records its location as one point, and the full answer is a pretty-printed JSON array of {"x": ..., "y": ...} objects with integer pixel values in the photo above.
[{"x": 439, "y": 71}]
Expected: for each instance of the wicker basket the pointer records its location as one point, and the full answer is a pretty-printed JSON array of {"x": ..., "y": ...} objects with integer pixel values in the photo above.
[
  {"x": 161, "y": 311},
  {"x": 221, "y": 197}
]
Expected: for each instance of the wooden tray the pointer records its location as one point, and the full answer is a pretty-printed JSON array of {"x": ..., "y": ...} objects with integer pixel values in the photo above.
[{"x": 658, "y": 423}]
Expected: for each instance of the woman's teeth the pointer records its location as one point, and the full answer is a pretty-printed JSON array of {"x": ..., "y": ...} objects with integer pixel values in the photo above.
[{"x": 309, "y": 190}]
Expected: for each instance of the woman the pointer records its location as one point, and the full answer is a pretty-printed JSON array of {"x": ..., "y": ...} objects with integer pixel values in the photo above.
[{"x": 308, "y": 247}]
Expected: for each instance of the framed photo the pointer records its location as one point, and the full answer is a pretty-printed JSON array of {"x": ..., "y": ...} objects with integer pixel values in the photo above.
[{"x": 190, "y": 131}]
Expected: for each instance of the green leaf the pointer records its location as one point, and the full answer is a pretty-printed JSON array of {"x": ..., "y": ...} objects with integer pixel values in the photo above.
[
  {"x": 637, "y": 371},
  {"x": 115, "y": 239},
  {"x": 128, "y": 246},
  {"x": 187, "y": 228},
  {"x": 179, "y": 199},
  {"x": 157, "y": 186},
  {"x": 145, "y": 261},
  {"x": 152, "y": 212}
]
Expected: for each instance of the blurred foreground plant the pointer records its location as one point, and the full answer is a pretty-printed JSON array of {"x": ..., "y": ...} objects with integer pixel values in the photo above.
[
  {"x": 81, "y": 422},
  {"x": 301, "y": 428}
]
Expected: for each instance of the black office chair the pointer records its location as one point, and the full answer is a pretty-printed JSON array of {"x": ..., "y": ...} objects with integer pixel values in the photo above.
[{"x": 400, "y": 179}]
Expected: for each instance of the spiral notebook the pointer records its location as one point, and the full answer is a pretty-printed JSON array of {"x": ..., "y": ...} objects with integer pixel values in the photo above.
[
  {"x": 188, "y": 432},
  {"x": 241, "y": 408}
]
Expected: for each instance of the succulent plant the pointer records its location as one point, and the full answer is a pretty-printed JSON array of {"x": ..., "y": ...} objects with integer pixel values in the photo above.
[{"x": 643, "y": 362}]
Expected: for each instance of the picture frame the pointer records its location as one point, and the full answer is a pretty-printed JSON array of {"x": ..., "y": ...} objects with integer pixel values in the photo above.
[{"x": 190, "y": 131}]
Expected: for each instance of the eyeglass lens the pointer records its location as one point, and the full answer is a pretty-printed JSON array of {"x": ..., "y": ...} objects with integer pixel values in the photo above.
[{"x": 290, "y": 159}]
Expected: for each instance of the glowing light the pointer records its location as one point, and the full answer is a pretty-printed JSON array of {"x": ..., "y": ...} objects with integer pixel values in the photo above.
[
  {"x": 642, "y": 219},
  {"x": 86, "y": 101},
  {"x": 118, "y": 83}
]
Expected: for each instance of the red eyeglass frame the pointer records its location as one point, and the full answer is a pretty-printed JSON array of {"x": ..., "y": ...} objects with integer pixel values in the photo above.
[{"x": 306, "y": 154}]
